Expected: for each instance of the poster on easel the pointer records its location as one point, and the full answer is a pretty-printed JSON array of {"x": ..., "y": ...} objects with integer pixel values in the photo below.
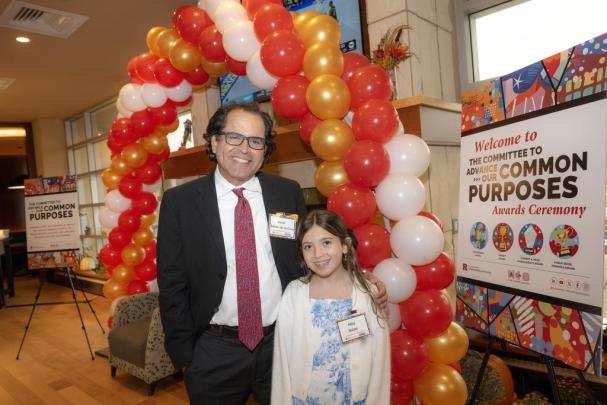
[
  {"x": 52, "y": 222},
  {"x": 532, "y": 206}
]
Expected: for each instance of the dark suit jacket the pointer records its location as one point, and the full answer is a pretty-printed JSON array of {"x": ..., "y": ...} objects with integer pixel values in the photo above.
[{"x": 192, "y": 260}]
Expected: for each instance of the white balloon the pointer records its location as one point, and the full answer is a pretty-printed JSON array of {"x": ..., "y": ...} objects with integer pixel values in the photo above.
[
  {"x": 116, "y": 202},
  {"x": 211, "y": 6},
  {"x": 123, "y": 111},
  {"x": 153, "y": 285},
  {"x": 348, "y": 118},
  {"x": 153, "y": 95},
  {"x": 130, "y": 97},
  {"x": 258, "y": 75},
  {"x": 108, "y": 218},
  {"x": 202, "y": 4},
  {"x": 152, "y": 188},
  {"x": 228, "y": 13},
  {"x": 417, "y": 240},
  {"x": 240, "y": 41},
  {"x": 179, "y": 93},
  {"x": 394, "y": 320},
  {"x": 400, "y": 195},
  {"x": 408, "y": 154},
  {"x": 398, "y": 277}
]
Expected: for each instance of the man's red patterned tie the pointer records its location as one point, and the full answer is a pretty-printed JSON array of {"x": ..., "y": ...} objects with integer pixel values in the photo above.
[{"x": 250, "y": 328}]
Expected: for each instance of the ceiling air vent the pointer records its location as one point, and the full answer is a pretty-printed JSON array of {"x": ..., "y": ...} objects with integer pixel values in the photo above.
[{"x": 29, "y": 17}]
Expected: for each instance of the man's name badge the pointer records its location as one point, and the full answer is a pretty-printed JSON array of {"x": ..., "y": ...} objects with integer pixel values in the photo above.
[
  {"x": 283, "y": 225},
  {"x": 353, "y": 327}
]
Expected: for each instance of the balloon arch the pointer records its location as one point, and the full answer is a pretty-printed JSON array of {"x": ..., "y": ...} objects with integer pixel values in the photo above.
[{"x": 370, "y": 169}]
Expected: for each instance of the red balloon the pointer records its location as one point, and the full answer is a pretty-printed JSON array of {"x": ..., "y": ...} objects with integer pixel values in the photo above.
[
  {"x": 282, "y": 53},
  {"x": 145, "y": 67},
  {"x": 189, "y": 22},
  {"x": 163, "y": 115},
  {"x": 129, "y": 221},
  {"x": 456, "y": 366},
  {"x": 114, "y": 144},
  {"x": 166, "y": 74},
  {"x": 271, "y": 18},
  {"x": 137, "y": 287},
  {"x": 146, "y": 271},
  {"x": 307, "y": 123},
  {"x": 197, "y": 77},
  {"x": 373, "y": 244},
  {"x": 369, "y": 82},
  {"x": 409, "y": 355},
  {"x": 177, "y": 15},
  {"x": 109, "y": 256},
  {"x": 353, "y": 61},
  {"x": 145, "y": 204},
  {"x": 150, "y": 251},
  {"x": 109, "y": 321},
  {"x": 142, "y": 122},
  {"x": 122, "y": 129},
  {"x": 130, "y": 186},
  {"x": 184, "y": 102},
  {"x": 436, "y": 275},
  {"x": 375, "y": 120},
  {"x": 210, "y": 44},
  {"x": 355, "y": 204},
  {"x": 366, "y": 163},
  {"x": 401, "y": 391},
  {"x": 119, "y": 238},
  {"x": 149, "y": 173},
  {"x": 426, "y": 313},
  {"x": 158, "y": 158},
  {"x": 252, "y": 6},
  {"x": 236, "y": 67},
  {"x": 132, "y": 69},
  {"x": 289, "y": 97},
  {"x": 433, "y": 218}
]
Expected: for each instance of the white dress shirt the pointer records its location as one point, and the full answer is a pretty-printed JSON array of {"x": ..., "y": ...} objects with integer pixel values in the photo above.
[{"x": 270, "y": 288}]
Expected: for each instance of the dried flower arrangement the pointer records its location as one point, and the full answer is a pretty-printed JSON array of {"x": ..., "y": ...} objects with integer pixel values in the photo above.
[{"x": 390, "y": 52}]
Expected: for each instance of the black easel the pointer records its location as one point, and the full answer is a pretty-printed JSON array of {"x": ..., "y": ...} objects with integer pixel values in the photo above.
[
  {"x": 481, "y": 371},
  {"x": 75, "y": 301}
]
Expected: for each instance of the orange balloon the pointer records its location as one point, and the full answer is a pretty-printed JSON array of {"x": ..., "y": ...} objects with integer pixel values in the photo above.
[
  {"x": 214, "y": 69},
  {"x": 143, "y": 236},
  {"x": 132, "y": 254},
  {"x": 328, "y": 97},
  {"x": 110, "y": 178},
  {"x": 330, "y": 175},
  {"x": 113, "y": 289},
  {"x": 165, "y": 42},
  {"x": 152, "y": 39},
  {"x": 323, "y": 58},
  {"x": 440, "y": 384},
  {"x": 134, "y": 155},
  {"x": 318, "y": 29},
  {"x": 155, "y": 143},
  {"x": 148, "y": 220},
  {"x": 172, "y": 127},
  {"x": 448, "y": 347},
  {"x": 123, "y": 274},
  {"x": 119, "y": 166},
  {"x": 331, "y": 139},
  {"x": 300, "y": 19},
  {"x": 184, "y": 57}
]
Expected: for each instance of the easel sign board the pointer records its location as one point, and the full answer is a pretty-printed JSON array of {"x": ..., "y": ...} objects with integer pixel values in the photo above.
[{"x": 52, "y": 222}]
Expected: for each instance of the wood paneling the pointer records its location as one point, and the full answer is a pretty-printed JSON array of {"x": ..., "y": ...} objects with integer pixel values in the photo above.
[{"x": 12, "y": 214}]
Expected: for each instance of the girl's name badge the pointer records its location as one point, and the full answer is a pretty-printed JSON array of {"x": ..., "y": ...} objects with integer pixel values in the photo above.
[
  {"x": 353, "y": 327},
  {"x": 283, "y": 225}
]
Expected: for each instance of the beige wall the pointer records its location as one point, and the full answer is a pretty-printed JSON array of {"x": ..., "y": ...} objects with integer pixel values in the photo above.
[{"x": 49, "y": 145}]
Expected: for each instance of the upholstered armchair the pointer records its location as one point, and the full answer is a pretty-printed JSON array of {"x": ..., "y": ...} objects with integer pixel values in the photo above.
[{"x": 137, "y": 340}]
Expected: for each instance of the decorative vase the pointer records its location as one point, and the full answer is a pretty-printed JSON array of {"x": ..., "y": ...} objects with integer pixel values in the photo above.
[{"x": 392, "y": 75}]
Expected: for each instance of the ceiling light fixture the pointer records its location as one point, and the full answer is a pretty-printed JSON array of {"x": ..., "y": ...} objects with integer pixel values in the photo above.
[
  {"x": 12, "y": 132},
  {"x": 23, "y": 40}
]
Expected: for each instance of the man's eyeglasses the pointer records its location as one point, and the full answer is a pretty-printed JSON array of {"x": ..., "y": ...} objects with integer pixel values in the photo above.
[{"x": 236, "y": 139}]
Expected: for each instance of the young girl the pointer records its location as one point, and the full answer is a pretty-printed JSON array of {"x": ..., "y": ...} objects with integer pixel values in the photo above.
[{"x": 312, "y": 365}]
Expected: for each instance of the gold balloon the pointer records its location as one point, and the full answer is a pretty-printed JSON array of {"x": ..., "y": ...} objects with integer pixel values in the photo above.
[
  {"x": 132, "y": 254},
  {"x": 331, "y": 139},
  {"x": 448, "y": 347},
  {"x": 214, "y": 69},
  {"x": 119, "y": 166},
  {"x": 323, "y": 58},
  {"x": 122, "y": 273},
  {"x": 154, "y": 143},
  {"x": 328, "y": 97},
  {"x": 330, "y": 175},
  {"x": 143, "y": 236},
  {"x": 300, "y": 19},
  {"x": 440, "y": 384},
  {"x": 184, "y": 57},
  {"x": 165, "y": 42},
  {"x": 318, "y": 29},
  {"x": 172, "y": 127},
  {"x": 152, "y": 39},
  {"x": 113, "y": 289},
  {"x": 148, "y": 220},
  {"x": 110, "y": 178},
  {"x": 134, "y": 155}
]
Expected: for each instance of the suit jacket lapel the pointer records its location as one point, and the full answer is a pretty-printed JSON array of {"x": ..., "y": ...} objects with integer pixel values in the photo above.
[
  {"x": 269, "y": 201},
  {"x": 206, "y": 201}
]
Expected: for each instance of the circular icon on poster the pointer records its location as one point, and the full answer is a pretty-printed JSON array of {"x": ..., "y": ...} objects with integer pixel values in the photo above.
[
  {"x": 502, "y": 237},
  {"x": 478, "y": 235},
  {"x": 531, "y": 239},
  {"x": 564, "y": 241}
]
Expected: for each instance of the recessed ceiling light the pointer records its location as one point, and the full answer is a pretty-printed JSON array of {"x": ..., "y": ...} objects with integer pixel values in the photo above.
[
  {"x": 23, "y": 40},
  {"x": 9, "y": 132}
]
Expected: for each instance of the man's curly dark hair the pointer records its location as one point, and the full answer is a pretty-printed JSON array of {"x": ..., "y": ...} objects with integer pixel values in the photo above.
[{"x": 218, "y": 121}]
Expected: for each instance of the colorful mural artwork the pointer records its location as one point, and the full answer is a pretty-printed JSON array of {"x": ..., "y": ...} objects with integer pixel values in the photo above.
[{"x": 482, "y": 105}]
